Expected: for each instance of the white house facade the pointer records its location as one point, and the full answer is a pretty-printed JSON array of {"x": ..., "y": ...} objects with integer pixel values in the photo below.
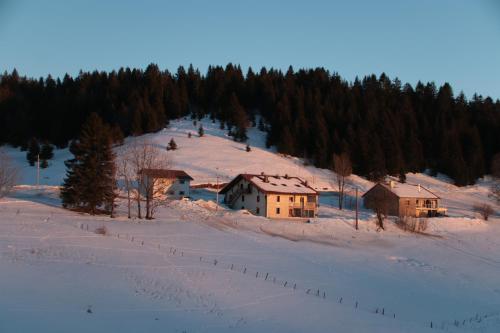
[
  {"x": 173, "y": 184},
  {"x": 272, "y": 196}
]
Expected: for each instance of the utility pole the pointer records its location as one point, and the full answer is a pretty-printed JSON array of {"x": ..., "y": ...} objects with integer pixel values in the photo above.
[
  {"x": 38, "y": 171},
  {"x": 217, "y": 189},
  {"x": 356, "y": 208}
]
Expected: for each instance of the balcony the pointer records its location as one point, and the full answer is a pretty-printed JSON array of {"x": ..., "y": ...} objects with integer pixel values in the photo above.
[{"x": 305, "y": 205}]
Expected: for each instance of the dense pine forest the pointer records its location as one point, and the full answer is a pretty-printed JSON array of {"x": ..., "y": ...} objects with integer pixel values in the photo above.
[{"x": 384, "y": 126}]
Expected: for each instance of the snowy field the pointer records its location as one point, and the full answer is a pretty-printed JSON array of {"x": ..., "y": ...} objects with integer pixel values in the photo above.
[{"x": 202, "y": 268}]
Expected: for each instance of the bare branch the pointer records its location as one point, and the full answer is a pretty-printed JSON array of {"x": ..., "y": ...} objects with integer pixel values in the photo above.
[
  {"x": 343, "y": 168},
  {"x": 8, "y": 174}
]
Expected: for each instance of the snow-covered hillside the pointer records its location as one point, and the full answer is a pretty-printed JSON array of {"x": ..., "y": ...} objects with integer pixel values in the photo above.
[{"x": 202, "y": 268}]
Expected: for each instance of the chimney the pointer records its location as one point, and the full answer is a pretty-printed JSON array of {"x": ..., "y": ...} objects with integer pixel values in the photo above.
[
  {"x": 419, "y": 188},
  {"x": 266, "y": 180},
  {"x": 391, "y": 183},
  {"x": 286, "y": 176},
  {"x": 262, "y": 173}
]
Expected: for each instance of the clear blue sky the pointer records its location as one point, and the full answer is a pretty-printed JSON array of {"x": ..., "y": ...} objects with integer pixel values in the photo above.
[{"x": 430, "y": 40}]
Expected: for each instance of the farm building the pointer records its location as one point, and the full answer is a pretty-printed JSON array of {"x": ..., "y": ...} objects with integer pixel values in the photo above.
[
  {"x": 401, "y": 199},
  {"x": 272, "y": 196}
]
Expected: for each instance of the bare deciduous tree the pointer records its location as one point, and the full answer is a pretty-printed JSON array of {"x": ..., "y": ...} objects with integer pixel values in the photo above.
[
  {"x": 495, "y": 172},
  {"x": 484, "y": 210},
  {"x": 8, "y": 174},
  {"x": 343, "y": 168},
  {"x": 125, "y": 172},
  {"x": 379, "y": 202},
  {"x": 145, "y": 155}
]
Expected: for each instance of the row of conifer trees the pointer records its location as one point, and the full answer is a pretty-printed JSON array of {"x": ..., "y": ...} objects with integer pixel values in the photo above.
[{"x": 385, "y": 127}]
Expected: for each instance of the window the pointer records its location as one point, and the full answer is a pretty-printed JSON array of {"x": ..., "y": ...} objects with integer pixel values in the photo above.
[
  {"x": 257, "y": 211},
  {"x": 181, "y": 192},
  {"x": 301, "y": 199},
  {"x": 291, "y": 199},
  {"x": 242, "y": 197},
  {"x": 241, "y": 185},
  {"x": 311, "y": 198},
  {"x": 258, "y": 198},
  {"x": 277, "y": 211},
  {"x": 407, "y": 202},
  {"x": 182, "y": 181},
  {"x": 278, "y": 198}
]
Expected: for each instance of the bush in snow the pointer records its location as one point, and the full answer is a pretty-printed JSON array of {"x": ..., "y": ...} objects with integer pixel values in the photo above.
[
  {"x": 412, "y": 224},
  {"x": 102, "y": 231},
  {"x": 485, "y": 210}
]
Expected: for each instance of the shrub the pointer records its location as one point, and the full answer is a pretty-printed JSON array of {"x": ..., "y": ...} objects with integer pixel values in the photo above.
[
  {"x": 485, "y": 210},
  {"x": 412, "y": 224},
  {"x": 102, "y": 231}
]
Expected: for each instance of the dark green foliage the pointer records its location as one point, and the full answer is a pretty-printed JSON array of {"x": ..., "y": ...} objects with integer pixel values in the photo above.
[
  {"x": 172, "y": 145},
  {"x": 383, "y": 125},
  {"x": 90, "y": 176},
  {"x": 33, "y": 151},
  {"x": 402, "y": 176},
  {"x": 189, "y": 135},
  {"x": 46, "y": 152},
  {"x": 201, "y": 131},
  {"x": 44, "y": 164},
  {"x": 248, "y": 149}
]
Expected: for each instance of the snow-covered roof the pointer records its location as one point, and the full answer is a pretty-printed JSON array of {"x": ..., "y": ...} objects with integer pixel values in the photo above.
[
  {"x": 274, "y": 184},
  {"x": 405, "y": 190}
]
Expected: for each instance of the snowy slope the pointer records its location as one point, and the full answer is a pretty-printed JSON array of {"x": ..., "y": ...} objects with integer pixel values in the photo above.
[{"x": 196, "y": 268}]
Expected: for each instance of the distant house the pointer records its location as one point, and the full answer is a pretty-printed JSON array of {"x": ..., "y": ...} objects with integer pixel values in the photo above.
[
  {"x": 402, "y": 199},
  {"x": 271, "y": 196},
  {"x": 174, "y": 184}
]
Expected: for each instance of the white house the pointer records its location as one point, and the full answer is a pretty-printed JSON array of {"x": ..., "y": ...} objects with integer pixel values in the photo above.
[
  {"x": 272, "y": 196},
  {"x": 174, "y": 184}
]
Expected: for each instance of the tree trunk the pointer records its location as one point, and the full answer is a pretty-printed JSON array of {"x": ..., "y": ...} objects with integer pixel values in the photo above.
[
  {"x": 128, "y": 201},
  {"x": 341, "y": 193},
  {"x": 148, "y": 206}
]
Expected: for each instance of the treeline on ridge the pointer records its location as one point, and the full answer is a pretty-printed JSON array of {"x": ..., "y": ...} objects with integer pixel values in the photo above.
[{"x": 384, "y": 126}]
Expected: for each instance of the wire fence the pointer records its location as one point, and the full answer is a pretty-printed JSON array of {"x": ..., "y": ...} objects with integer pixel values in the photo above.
[{"x": 474, "y": 321}]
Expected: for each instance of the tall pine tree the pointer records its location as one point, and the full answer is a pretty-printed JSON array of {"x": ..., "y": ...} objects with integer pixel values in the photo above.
[{"x": 90, "y": 182}]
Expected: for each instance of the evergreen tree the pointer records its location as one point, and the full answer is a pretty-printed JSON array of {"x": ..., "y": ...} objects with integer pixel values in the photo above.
[
  {"x": 33, "y": 151},
  {"x": 201, "y": 131},
  {"x": 248, "y": 149},
  {"x": 402, "y": 176},
  {"x": 44, "y": 164},
  {"x": 90, "y": 182},
  {"x": 321, "y": 112},
  {"x": 239, "y": 119},
  {"x": 172, "y": 145},
  {"x": 46, "y": 152}
]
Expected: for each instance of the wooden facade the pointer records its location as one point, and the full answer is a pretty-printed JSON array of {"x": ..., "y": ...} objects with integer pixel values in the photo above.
[{"x": 404, "y": 200}]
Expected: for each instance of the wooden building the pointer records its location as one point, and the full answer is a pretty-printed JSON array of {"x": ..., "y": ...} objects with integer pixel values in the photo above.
[{"x": 402, "y": 199}]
